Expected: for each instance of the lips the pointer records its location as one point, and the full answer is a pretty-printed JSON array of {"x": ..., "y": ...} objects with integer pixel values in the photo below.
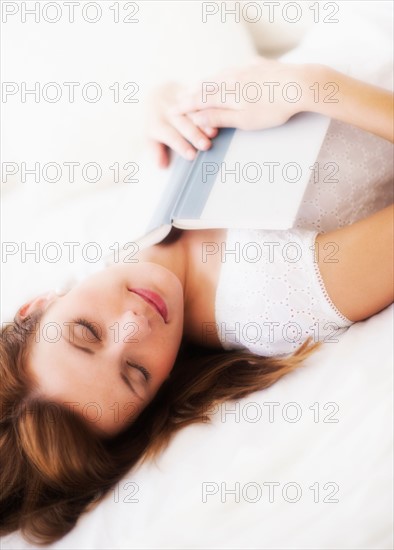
[{"x": 153, "y": 300}]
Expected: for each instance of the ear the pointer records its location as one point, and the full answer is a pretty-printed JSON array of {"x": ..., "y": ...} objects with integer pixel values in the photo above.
[{"x": 40, "y": 302}]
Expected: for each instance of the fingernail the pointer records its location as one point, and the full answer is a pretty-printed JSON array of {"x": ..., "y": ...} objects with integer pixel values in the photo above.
[
  {"x": 209, "y": 131},
  {"x": 203, "y": 144}
]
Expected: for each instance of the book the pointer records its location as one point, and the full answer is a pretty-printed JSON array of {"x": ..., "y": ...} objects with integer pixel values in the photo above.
[{"x": 247, "y": 179}]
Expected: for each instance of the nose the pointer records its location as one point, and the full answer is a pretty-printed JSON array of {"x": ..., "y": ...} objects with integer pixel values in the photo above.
[{"x": 133, "y": 326}]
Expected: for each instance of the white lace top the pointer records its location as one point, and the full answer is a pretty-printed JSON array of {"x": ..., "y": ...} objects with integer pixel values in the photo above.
[
  {"x": 354, "y": 179},
  {"x": 270, "y": 308},
  {"x": 270, "y": 296}
]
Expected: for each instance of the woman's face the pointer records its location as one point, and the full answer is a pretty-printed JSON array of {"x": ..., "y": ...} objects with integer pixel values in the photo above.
[{"x": 104, "y": 350}]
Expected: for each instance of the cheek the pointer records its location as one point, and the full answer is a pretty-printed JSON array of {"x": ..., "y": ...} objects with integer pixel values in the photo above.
[
  {"x": 163, "y": 367},
  {"x": 166, "y": 350},
  {"x": 162, "y": 363}
]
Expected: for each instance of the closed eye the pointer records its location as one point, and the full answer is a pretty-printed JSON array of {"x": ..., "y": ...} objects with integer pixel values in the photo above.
[
  {"x": 95, "y": 330},
  {"x": 92, "y": 327},
  {"x": 145, "y": 372}
]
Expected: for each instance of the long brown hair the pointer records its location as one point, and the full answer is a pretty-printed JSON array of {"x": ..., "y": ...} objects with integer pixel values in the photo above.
[{"x": 53, "y": 467}]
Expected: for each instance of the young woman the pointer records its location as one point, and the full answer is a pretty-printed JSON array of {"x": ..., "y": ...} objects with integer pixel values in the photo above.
[{"x": 100, "y": 377}]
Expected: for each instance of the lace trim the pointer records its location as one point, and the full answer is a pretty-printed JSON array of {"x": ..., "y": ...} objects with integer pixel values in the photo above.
[{"x": 326, "y": 295}]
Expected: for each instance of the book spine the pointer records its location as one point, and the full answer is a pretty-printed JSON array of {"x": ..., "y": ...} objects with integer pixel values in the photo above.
[
  {"x": 173, "y": 189},
  {"x": 201, "y": 178}
]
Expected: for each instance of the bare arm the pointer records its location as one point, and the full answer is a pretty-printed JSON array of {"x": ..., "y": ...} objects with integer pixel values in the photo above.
[
  {"x": 361, "y": 281},
  {"x": 286, "y": 89},
  {"x": 355, "y": 102}
]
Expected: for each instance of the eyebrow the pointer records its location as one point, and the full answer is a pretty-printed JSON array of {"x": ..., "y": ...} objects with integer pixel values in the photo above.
[{"x": 91, "y": 352}]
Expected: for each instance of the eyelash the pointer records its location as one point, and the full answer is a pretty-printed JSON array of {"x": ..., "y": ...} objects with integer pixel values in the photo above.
[
  {"x": 142, "y": 369},
  {"x": 89, "y": 326},
  {"x": 93, "y": 330}
]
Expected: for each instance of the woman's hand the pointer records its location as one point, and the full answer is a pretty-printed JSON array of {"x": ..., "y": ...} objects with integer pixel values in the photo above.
[
  {"x": 263, "y": 94},
  {"x": 168, "y": 129},
  {"x": 267, "y": 93}
]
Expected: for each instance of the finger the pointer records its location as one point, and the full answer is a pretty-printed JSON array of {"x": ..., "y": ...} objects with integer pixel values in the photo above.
[
  {"x": 171, "y": 137},
  {"x": 191, "y": 132},
  {"x": 210, "y": 132},
  {"x": 217, "y": 118}
]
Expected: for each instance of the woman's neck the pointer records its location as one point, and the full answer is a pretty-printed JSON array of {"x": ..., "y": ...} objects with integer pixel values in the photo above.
[
  {"x": 202, "y": 277},
  {"x": 173, "y": 253}
]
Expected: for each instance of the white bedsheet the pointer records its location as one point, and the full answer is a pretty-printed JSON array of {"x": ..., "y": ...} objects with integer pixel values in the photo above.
[
  {"x": 355, "y": 453},
  {"x": 355, "y": 373}
]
